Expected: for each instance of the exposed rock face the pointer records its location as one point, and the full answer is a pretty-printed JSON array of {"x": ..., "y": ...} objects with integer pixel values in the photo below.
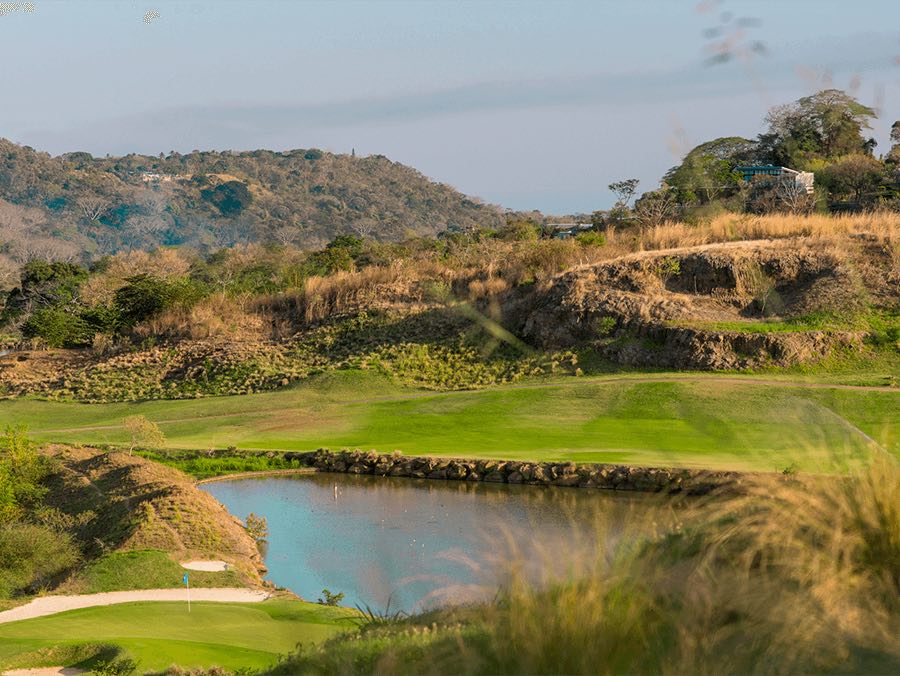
[
  {"x": 568, "y": 474},
  {"x": 660, "y": 309}
]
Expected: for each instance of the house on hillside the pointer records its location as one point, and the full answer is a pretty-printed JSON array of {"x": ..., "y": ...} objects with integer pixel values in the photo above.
[
  {"x": 152, "y": 177},
  {"x": 802, "y": 179},
  {"x": 566, "y": 230}
]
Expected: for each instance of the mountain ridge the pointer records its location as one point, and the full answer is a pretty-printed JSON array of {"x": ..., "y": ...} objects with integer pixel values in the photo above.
[{"x": 75, "y": 204}]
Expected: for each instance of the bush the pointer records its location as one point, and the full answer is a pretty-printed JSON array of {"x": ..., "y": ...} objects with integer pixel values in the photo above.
[
  {"x": 146, "y": 296},
  {"x": 22, "y": 473},
  {"x": 329, "y": 599},
  {"x": 31, "y": 556},
  {"x": 58, "y": 328},
  {"x": 591, "y": 238}
]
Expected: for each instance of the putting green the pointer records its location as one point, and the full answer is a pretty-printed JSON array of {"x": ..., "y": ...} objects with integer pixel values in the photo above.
[
  {"x": 675, "y": 419},
  {"x": 159, "y": 634}
]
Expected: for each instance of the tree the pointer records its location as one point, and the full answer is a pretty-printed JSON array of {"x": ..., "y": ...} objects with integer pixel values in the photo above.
[
  {"x": 657, "y": 206},
  {"x": 893, "y": 156},
  {"x": 853, "y": 175},
  {"x": 823, "y": 126},
  {"x": 230, "y": 198},
  {"x": 92, "y": 206},
  {"x": 793, "y": 197},
  {"x": 287, "y": 235},
  {"x": 143, "y": 432},
  {"x": 707, "y": 172},
  {"x": 624, "y": 191},
  {"x": 364, "y": 227},
  {"x": 143, "y": 297}
]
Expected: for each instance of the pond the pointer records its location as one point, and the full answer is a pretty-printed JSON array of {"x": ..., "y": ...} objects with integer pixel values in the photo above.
[{"x": 415, "y": 543}]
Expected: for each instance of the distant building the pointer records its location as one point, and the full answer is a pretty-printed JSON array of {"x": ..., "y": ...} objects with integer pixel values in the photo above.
[
  {"x": 150, "y": 177},
  {"x": 803, "y": 179},
  {"x": 566, "y": 230}
]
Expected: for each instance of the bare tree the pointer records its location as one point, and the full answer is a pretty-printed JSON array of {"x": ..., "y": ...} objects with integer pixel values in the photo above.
[
  {"x": 42, "y": 248},
  {"x": 793, "y": 197},
  {"x": 657, "y": 207},
  {"x": 287, "y": 235},
  {"x": 364, "y": 227},
  {"x": 92, "y": 206},
  {"x": 9, "y": 273}
]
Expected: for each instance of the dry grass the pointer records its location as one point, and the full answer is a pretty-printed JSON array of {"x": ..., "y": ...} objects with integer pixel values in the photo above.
[
  {"x": 344, "y": 292},
  {"x": 163, "y": 263},
  {"x": 216, "y": 316},
  {"x": 789, "y": 575},
  {"x": 884, "y": 225}
]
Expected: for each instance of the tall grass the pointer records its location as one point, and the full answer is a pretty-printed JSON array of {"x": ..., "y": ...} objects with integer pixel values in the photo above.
[
  {"x": 884, "y": 225},
  {"x": 787, "y": 575}
]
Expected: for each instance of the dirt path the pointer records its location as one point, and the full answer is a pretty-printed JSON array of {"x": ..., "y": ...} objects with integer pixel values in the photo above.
[
  {"x": 50, "y": 605},
  {"x": 735, "y": 380}
]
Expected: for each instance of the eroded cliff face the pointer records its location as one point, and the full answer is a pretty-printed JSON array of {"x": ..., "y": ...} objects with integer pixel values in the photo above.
[{"x": 727, "y": 306}]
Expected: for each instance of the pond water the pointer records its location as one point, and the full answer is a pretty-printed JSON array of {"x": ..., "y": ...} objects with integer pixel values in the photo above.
[{"x": 415, "y": 543}]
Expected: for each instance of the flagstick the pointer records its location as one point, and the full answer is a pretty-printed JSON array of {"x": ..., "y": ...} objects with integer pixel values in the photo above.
[{"x": 188, "y": 585}]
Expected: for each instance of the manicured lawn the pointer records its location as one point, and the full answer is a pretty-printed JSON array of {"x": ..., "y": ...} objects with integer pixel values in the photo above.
[
  {"x": 156, "y": 635},
  {"x": 676, "y": 419}
]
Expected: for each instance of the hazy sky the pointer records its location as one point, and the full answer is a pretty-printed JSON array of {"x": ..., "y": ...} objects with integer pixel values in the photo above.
[{"x": 525, "y": 104}]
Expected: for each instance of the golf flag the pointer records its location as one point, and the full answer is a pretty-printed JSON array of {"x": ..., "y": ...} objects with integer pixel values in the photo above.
[
  {"x": 185, "y": 580},
  {"x": 188, "y": 586}
]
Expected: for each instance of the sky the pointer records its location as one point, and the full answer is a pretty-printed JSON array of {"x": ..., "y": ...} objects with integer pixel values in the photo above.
[{"x": 530, "y": 105}]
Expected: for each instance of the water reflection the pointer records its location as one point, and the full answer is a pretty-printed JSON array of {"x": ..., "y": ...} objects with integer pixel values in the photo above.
[{"x": 415, "y": 542}]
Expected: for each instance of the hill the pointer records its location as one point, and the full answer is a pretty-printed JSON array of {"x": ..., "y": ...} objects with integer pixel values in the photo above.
[
  {"x": 462, "y": 312},
  {"x": 76, "y": 205}
]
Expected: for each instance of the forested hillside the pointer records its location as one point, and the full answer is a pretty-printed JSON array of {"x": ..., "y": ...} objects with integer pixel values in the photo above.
[{"x": 75, "y": 205}]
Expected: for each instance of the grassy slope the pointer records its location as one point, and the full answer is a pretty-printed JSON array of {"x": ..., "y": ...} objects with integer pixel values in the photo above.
[
  {"x": 686, "y": 420},
  {"x": 160, "y": 634},
  {"x": 144, "y": 569}
]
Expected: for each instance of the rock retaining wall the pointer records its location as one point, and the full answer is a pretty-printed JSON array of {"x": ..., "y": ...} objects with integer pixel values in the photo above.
[{"x": 570, "y": 474}]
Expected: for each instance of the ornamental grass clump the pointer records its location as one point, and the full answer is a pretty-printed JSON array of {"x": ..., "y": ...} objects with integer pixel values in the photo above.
[{"x": 779, "y": 574}]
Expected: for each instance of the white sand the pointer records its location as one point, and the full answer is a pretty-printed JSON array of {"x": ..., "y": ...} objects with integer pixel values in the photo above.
[
  {"x": 49, "y": 605},
  {"x": 208, "y": 566}
]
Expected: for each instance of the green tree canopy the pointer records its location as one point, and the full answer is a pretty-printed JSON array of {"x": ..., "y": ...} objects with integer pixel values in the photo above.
[
  {"x": 824, "y": 126},
  {"x": 707, "y": 171}
]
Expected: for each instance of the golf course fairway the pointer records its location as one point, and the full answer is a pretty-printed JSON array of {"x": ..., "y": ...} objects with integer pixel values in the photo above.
[
  {"x": 159, "y": 634},
  {"x": 711, "y": 421}
]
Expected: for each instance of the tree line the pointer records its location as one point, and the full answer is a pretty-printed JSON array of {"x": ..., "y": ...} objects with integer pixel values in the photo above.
[{"x": 825, "y": 134}]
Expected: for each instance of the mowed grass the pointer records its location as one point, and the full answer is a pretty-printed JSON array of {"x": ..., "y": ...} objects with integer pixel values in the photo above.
[
  {"x": 676, "y": 419},
  {"x": 157, "y": 635}
]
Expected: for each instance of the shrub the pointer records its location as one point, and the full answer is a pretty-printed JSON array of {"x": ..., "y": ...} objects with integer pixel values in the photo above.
[
  {"x": 143, "y": 432},
  {"x": 32, "y": 555},
  {"x": 58, "y": 328},
  {"x": 22, "y": 472},
  {"x": 591, "y": 238},
  {"x": 257, "y": 527},
  {"x": 146, "y": 296},
  {"x": 329, "y": 599}
]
